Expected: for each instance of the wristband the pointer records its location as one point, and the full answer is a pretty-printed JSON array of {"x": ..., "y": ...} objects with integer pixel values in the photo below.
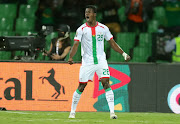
[{"x": 124, "y": 55}]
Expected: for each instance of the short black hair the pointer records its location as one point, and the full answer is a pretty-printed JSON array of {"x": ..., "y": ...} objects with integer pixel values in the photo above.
[{"x": 93, "y": 7}]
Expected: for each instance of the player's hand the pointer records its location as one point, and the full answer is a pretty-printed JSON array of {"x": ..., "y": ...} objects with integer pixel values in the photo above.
[
  {"x": 70, "y": 61},
  {"x": 126, "y": 57}
]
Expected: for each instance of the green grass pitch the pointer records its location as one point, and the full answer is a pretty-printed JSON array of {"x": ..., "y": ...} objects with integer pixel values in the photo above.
[{"x": 34, "y": 117}]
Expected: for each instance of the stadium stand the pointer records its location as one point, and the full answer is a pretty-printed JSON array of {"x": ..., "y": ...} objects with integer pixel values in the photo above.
[
  {"x": 145, "y": 40},
  {"x": 115, "y": 57},
  {"x": 6, "y": 24},
  {"x": 25, "y": 24},
  {"x": 25, "y": 33},
  {"x": 153, "y": 26},
  {"x": 159, "y": 14},
  {"x": 27, "y": 11},
  {"x": 8, "y": 11},
  {"x": 33, "y": 2},
  {"x": 126, "y": 40},
  {"x": 121, "y": 14},
  {"x": 7, "y": 33},
  {"x": 4, "y": 55},
  {"x": 20, "y": 19},
  {"x": 140, "y": 54}
]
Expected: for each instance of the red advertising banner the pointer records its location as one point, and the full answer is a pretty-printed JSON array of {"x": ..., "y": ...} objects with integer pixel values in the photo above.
[{"x": 42, "y": 87}]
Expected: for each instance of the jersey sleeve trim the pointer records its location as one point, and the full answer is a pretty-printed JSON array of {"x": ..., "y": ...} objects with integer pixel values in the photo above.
[
  {"x": 76, "y": 40},
  {"x": 111, "y": 38}
]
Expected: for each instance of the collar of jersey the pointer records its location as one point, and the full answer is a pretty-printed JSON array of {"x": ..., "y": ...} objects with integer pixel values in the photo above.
[{"x": 93, "y": 26}]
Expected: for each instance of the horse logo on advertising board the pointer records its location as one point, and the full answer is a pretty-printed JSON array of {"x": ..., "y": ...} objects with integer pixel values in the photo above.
[{"x": 57, "y": 86}]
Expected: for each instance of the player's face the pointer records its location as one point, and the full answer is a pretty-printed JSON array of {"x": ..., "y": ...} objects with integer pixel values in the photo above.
[{"x": 90, "y": 15}]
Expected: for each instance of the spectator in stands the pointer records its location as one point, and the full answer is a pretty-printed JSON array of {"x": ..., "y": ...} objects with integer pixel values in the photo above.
[
  {"x": 109, "y": 10},
  {"x": 161, "y": 29},
  {"x": 135, "y": 15},
  {"x": 70, "y": 14},
  {"x": 174, "y": 46},
  {"x": 60, "y": 46},
  {"x": 45, "y": 14},
  {"x": 47, "y": 17}
]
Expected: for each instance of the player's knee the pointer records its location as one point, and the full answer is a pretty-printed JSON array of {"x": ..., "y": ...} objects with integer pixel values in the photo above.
[
  {"x": 105, "y": 83},
  {"x": 81, "y": 86}
]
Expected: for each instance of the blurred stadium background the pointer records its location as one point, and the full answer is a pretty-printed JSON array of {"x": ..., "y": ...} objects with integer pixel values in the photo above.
[{"x": 25, "y": 17}]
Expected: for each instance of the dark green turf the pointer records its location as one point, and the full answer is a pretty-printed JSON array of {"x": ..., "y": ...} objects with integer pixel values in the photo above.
[{"x": 33, "y": 117}]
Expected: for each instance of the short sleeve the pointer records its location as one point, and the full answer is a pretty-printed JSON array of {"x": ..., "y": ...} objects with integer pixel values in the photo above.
[
  {"x": 78, "y": 35},
  {"x": 108, "y": 34}
]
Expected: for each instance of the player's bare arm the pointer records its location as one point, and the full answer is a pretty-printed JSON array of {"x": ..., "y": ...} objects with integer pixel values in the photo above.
[
  {"x": 73, "y": 52},
  {"x": 118, "y": 49}
]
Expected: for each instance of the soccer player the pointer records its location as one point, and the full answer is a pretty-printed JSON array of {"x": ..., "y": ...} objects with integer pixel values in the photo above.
[{"x": 91, "y": 35}]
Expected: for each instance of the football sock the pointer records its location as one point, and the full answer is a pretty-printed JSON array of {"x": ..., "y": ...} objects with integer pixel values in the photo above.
[
  {"x": 75, "y": 100},
  {"x": 110, "y": 99}
]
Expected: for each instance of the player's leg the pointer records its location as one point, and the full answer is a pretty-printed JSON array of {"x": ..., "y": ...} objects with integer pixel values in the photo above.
[
  {"x": 109, "y": 96},
  {"x": 76, "y": 98},
  {"x": 84, "y": 76},
  {"x": 104, "y": 75}
]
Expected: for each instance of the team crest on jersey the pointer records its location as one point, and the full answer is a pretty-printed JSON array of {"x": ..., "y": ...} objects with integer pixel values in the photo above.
[{"x": 100, "y": 36}]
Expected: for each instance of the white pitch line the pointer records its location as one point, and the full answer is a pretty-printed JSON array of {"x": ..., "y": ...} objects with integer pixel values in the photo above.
[
  {"x": 25, "y": 113},
  {"x": 27, "y": 119},
  {"x": 20, "y": 112}
]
